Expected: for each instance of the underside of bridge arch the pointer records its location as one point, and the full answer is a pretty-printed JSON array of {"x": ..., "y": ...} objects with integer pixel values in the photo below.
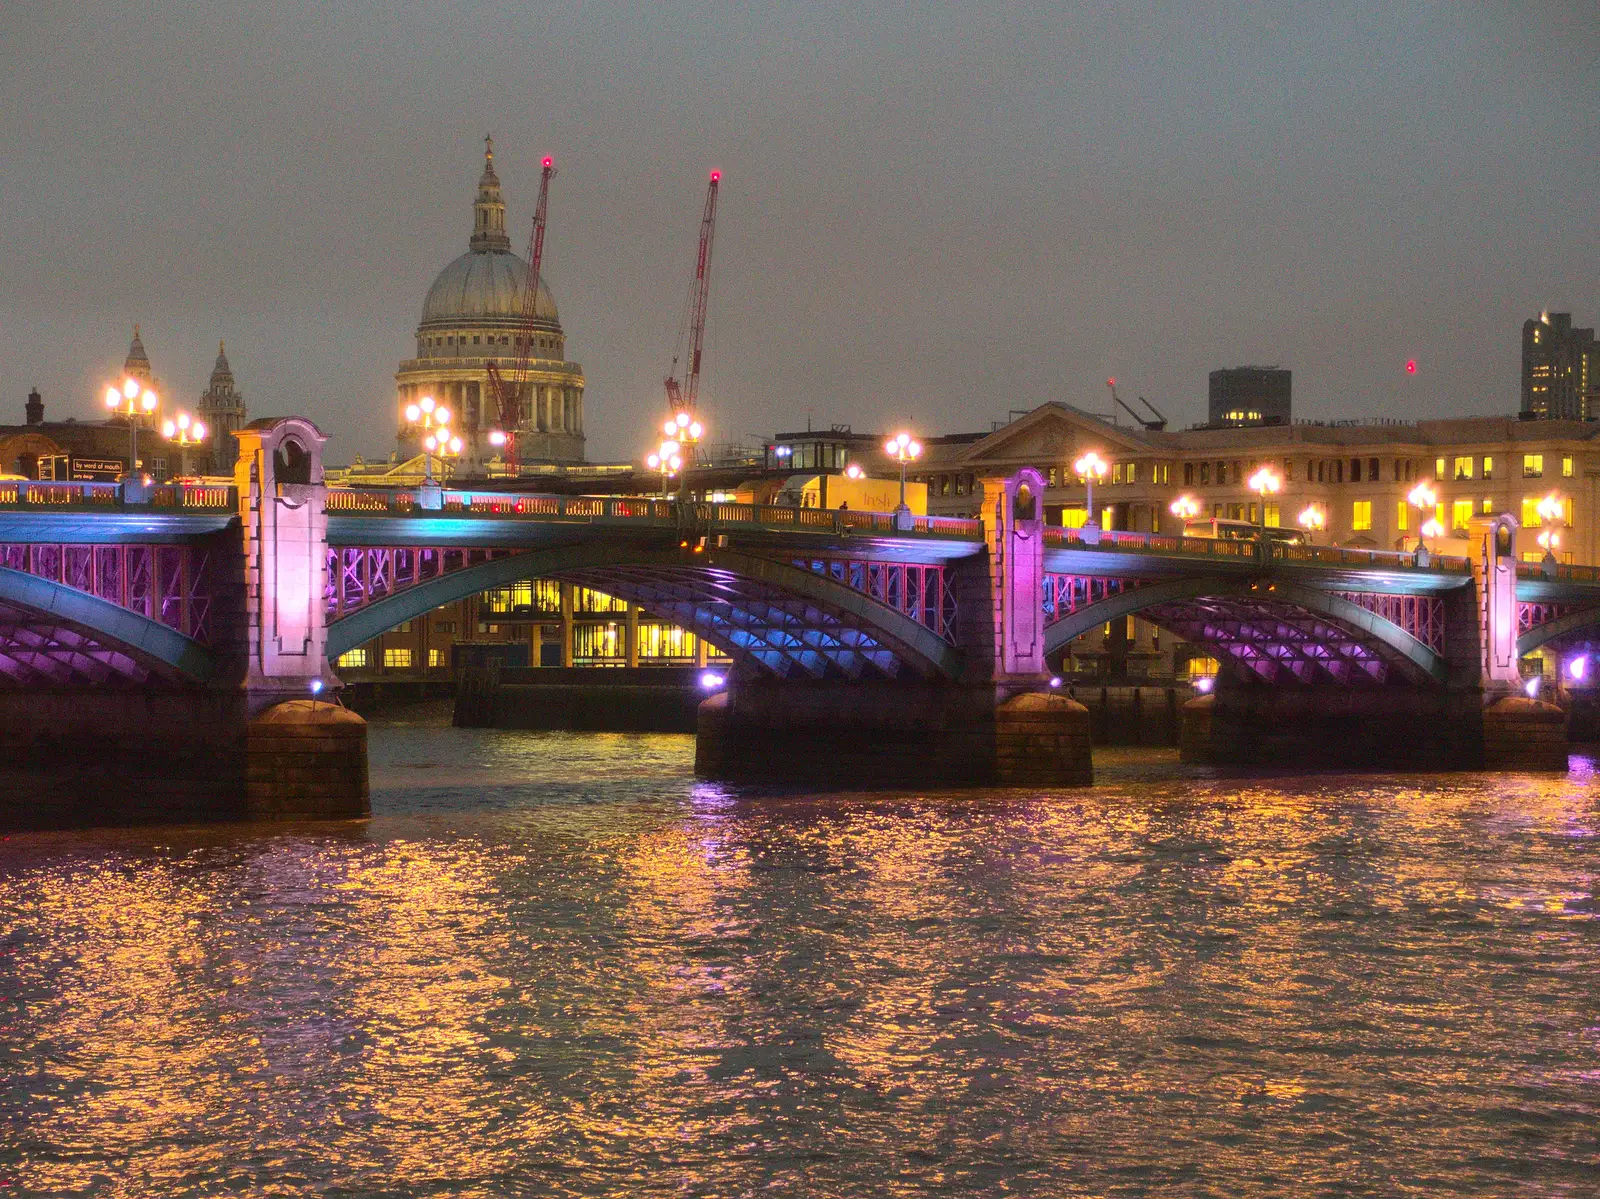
[
  {"x": 56, "y": 636},
  {"x": 772, "y": 618},
  {"x": 1269, "y": 631},
  {"x": 1573, "y": 625}
]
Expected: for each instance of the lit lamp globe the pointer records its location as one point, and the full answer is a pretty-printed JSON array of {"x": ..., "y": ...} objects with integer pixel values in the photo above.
[
  {"x": 1090, "y": 467},
  {"x": 1185, "y": 508},
  {"x": 903, "y": 448}
]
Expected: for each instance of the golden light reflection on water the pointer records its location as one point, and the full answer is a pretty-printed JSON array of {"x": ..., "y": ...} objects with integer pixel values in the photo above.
[{"x": 556, "y": 965}]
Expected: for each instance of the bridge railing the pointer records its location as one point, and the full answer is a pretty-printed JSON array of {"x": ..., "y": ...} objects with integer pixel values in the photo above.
[
  {"x": 1564, "y": 572},
  {"x": 357, "y": 501},
  {"x": 30, "y": 493},
  {"x": 1247, "y": 550}
]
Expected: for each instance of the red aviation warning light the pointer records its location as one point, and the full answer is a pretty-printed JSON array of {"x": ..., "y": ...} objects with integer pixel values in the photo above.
[{"x": 1411, "y": 366}]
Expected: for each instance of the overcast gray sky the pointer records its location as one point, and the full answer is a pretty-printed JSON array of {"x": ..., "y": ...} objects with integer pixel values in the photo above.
[{"x": 930, "y": 212}]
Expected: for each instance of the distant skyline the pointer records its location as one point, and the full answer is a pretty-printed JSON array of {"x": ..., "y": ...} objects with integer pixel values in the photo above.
[{"x": 930, "y": 213}]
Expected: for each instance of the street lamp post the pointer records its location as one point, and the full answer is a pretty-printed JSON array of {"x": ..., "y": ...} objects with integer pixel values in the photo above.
[
  {"x": 433, "y": 422},
  {"x": 132, "y": 400},
  {"x": 183, "y": 432},
  {"x": 1265, "y": 482},
  {"x": 903, "y": 448},
  {"x": 1552, "y": 518},
  {"x": 1185, "y": 508},
  {"x": 667, "y": 460},
  {"x": 1312, "y": 519},
  {"x": 1424, "y": 498},
  {"x": 1090, "y": 467},
  {"x": 686, "y": 432}
]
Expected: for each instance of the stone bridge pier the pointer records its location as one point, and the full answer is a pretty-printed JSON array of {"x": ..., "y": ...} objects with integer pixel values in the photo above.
[
  {"x": 1470, "y": 713},
  {"x": 117, "y": 718},
  {"x": 990, "y": 717}
]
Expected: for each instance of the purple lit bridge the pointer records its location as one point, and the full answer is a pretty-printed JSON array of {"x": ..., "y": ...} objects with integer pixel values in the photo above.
[{"x": 898, "y": 631}]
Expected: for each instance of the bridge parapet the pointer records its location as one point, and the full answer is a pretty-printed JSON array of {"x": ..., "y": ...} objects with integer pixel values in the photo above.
[
  {"x": 645, "y": 513},
  {"x": 1254, "y": 553},
  {"x": 81, "y": 494}
]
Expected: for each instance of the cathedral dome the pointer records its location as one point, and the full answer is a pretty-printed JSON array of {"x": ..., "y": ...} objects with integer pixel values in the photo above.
[{"x": 483, "y": 285}]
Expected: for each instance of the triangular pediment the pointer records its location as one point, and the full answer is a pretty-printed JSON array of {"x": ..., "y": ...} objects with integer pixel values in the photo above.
[{"x": 1054, "y": 432}]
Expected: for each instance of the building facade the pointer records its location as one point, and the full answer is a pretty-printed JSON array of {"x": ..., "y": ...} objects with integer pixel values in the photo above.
[
  {"x": 541, "y": 622},
  {"x": 472, "y": 318},
  {"x": 1250, "y": 395},
  {"x": 1560, "y": 370}
]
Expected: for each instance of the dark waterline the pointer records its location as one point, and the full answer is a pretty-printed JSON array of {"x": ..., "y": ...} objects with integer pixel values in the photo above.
[{"x": 554, "y": 964}]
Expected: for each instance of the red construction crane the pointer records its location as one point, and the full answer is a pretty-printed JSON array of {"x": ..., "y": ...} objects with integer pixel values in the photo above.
[
  {"x": 684, "y": 398},
  {"x": 507, "y": 394}
]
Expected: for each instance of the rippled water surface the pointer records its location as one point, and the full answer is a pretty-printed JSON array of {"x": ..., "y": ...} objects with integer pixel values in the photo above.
[{"x": 553, "y": 964}]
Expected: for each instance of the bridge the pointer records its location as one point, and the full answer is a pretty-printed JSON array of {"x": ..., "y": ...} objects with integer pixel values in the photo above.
[{"x": 185, "y": 632}]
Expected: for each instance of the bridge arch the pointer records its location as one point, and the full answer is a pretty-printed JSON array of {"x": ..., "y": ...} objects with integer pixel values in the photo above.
[
  {"x": 1555, "y": 630},
  {"x": 766, "y": 614},
  {"x": 51, "y": 632},
  {"x": 1277, "y": 626}
]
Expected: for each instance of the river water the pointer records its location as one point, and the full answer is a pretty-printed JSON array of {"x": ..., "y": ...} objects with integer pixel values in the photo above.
[{"x": 554, "y": 964}]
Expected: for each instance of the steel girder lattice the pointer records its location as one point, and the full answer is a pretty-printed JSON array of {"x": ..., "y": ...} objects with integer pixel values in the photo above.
[
  {"x": 1420, "y": 615},
  {"x": 1066, "y": 594},
  {"x": 37, "y": 652},
  {"x": 912, "y": 589},
  {"x": 360, "y": 575},
  {"x": 788, "y": 635},
  {"x": 1275, "y": 641},
  {"x": 171, "y": 584}
]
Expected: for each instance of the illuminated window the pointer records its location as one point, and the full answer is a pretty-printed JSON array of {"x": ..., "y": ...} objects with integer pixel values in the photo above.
[
  {"x": 585, "y": 600},
  {"x": 527, "y": 596},
  {"x": 665, "y": 641},
  {"x": 1488, "y": 505},
  {"x": 592, "y": 642},
  {"x": 353, "y": 657},
  {"x": 1532, "y": 466},
  {"x": 1054, "y": 476},
  {"x": 1460, "y": 516},
  {"x": 436, "y": 657},
  {"x": 1273, "y": 515},
  {"x": 1438, "y": 468},
  {"x": 1074, "y": 518},
  {"x": 1488, "y": 466},
  {"x": 1361, "y": 515},
  {"x": 1163, "y": 473},
  {"x": 1116, "y": 473},
  {"x": 1402, "y": 516},
  {"x": 1464, "y": 467},
  {"x": 1133, "y": 471},
  {"x": 1203, "y": 668},
  {"x": 394, "y": 656},
  {"x": 1530, "y": 512},
  {"x": 1566, "y": 468}
]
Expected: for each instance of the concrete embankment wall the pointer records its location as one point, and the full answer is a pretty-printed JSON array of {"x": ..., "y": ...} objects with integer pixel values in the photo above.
[
  {"x": 104, "y": 756},
  {"x": 1132, "y": 714},
  {"x": 860, "y": 734},
  {"x": 652, "y": 699}
]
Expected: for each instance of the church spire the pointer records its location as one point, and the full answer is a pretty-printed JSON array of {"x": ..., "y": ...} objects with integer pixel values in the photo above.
[
  {"x": 489, "y": 210},
  {"x": 137, "y": 363}
]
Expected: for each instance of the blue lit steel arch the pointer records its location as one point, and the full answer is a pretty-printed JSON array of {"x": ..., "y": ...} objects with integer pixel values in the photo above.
[
  {"x": 148, "y": 642},
  {"x": 1358, "y": 621},
  {"x": 1553, "y": 630},
  {"x": 673, "y": 583}
]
